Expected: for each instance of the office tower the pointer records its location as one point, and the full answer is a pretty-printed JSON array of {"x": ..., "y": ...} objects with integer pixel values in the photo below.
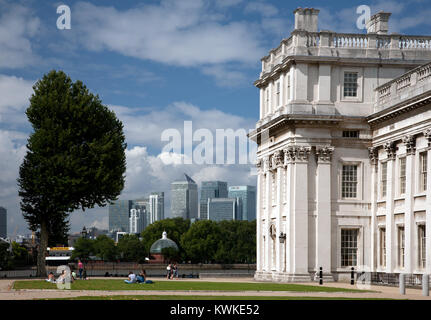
[
  {"x": 223, "y": 208},
  {"x": 119, "y": 213},
  {"x": 184, "y": 198},
  {"x": 3, "y": 223},
  {"x": 157, "y": 206},
  {"x": 211, "y": 189},
  {"x": 247, "y": 194},
  {"x": 137, "y": 217}
]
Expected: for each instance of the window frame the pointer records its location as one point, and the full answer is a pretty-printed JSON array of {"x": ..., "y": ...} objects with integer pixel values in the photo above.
[
  {"x": 344, "y": 195},
  {"x": 402, "y": 175},
  {"x": 359, "y": 246},
  {"x": 401, "y": 246},
  {"x": 383, "y": 190},
  {"x": 359, "y": 86},
  {"x": 423, "y": 175}
]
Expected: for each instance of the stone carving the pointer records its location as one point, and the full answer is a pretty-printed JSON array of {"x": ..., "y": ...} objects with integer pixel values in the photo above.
[
  {"x": 259, "y": 165},
  {"x": 427, "y": 134},
  {"x": 278, "y": 160},
  {"x": 324, "y": 153},
  {"x": 374, "y": 155},
  {"x": 390, "y": 149},
  {"x": 272, "y": 231},
  {"x": 297, "y": 153},
  {"x": 266, "y": 164},
  {"x": 410, "y": 143}
]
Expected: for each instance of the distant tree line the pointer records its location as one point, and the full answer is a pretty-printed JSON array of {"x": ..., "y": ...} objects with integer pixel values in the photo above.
[
  {"x": 14, "y": 257},
  {"x": 204, "y": 241}
]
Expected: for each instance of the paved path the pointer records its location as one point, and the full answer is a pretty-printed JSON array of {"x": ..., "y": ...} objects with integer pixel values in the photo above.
[{"x": 7, "y": 293}]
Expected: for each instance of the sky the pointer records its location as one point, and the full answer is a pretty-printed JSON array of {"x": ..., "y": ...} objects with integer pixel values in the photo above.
[{"x": 156, "y": 64}]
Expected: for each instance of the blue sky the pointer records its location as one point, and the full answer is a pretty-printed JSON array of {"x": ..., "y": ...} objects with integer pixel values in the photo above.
[{"x": 156, "y": 64}]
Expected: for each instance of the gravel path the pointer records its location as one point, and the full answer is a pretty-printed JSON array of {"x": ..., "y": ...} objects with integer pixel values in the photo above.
[{"x": 7, "y": 293}]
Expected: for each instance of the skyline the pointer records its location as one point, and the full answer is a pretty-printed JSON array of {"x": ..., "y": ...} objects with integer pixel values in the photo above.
[{"x": 199, "y": 66}]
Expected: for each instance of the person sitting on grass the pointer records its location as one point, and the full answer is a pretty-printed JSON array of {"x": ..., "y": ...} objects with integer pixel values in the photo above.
[
  {"x": 61, "y": 278},
  {"x": 142, "y": 277},
  {"x": 131, "y": 278},
  {"x": 51, "y": 277}
]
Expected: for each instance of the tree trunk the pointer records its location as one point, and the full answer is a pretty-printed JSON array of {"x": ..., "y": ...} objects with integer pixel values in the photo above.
[{"x": 41, "y": 254}]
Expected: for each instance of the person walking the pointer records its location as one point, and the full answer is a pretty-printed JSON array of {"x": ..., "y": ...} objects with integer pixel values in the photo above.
[
  {"x": 80, "y": 268},
  {"x": 168, "y": 271}
]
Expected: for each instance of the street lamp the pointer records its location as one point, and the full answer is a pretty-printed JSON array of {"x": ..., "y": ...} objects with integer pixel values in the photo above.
[
  {"x": 282, "y": 237},
  {"x": 84, "y": 232}
]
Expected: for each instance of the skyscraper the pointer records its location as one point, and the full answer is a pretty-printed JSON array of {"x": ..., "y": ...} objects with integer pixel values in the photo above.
[
  {"x": 119, "y": 215},
  {"x": 211, "y": 189},
  {"x": 137, "y": 217},
  {"x": 223, "y": 209},
  {"x": 184, "y": 199},
  {"x": 3, "y": 222},
  {"x": 157, "y": 206},
  {"x": 247, "y": 194}
]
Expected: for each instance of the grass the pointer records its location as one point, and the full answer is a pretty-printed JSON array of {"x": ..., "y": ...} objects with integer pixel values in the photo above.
[
  {"x": 194, "y": 297},
  {"x": 113, "y": 285}
]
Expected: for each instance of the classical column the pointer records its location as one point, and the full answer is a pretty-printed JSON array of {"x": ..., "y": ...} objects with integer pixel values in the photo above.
[
  {"x": 299, "y": 246},
  {"x": 261, "y": 103},
  {"x": 288, "y": 162},
  {"x": 267, "y": 218},
  {"x": 278, "y": 165},
  {"x": 323, "y": 196},
  {"x": 427, "y": 134},
  {"x": 409, "y": 223},
  {"x": 391, "y": 245},
  {"x": 259, "y": 217},
  {"x": 374, "y": 161}
]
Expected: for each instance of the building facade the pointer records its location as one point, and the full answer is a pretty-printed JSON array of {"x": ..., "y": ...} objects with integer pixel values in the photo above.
[
  {"x": 343, "y": 150},
  {"x": 119, "y": 216},
  {"x": 210, "y": 189},
  {"x": 157, "y": 206},
  {"x": 223, "y": 209},
  {"x": 247, "y": 194},
  {"x": 3, "y": 223},
  {"x": 184, "y": 199}
]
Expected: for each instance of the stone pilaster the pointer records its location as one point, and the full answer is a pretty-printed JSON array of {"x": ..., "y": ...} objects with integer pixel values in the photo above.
[
  {"x": 409, "y": 223},
  {"x": 391, "y": 245},
  {"x": 259, "y": 166},
  {"x": 374, "y": 161},
  {"x": 324, "y": 211},
  {"x": 427, "y": 134}
]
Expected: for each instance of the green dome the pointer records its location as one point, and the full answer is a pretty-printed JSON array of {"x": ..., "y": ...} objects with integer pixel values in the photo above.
[{"x": 162, "y": 243}]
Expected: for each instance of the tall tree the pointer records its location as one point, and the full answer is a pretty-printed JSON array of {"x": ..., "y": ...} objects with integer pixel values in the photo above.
[{"x": 75, "y": 158}]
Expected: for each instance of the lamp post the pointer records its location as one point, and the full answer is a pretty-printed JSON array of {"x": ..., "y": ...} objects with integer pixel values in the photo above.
[{"x": 84, "y": 232}]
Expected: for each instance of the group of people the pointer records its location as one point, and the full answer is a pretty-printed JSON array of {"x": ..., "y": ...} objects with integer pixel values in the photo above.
[
  {"x": 140, "y": 278},
  {"x": 73, "y": 276},
  {"x": 172, "y": 271}
]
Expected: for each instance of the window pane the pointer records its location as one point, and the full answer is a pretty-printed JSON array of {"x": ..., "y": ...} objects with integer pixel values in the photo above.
[
  {"x": 349, "y": 247},
  {"x": 350, "y": 84},
  {"x": 349, "y": 181}
]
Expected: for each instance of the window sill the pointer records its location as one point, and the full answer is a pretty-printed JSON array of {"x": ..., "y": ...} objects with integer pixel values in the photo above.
[{"x": 421, "y": 194}]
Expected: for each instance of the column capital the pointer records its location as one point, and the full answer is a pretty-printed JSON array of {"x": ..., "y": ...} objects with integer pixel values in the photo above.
[
  {"x": 297, "y": 153},
  {"x": 410, "y": 142},
  {"x": 277, "y": 159},
  {"x": 324, "y": 154},
  {"x": 427, "y": 134},
  {"x": 390, "y": 148},
  {"x": 259, "y": 165},
  {"x": 373, "y": 153},
  {"x": 266, "y": 164}
]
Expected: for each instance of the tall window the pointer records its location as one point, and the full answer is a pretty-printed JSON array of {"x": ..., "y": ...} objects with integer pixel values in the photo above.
[
  {"x": 423, "y": 162},
  {"x": 383, "y": 179},
  {"x": 421, "y": 246},
  {"x": 383, "y": 247},
  {"x": 349, "y": 181},
  {"x": 350, "y": 84},
  {"x": 277, "y": 94},
  {"x": 401, "y": 247},
  {"x": 402, "y": 175},
  {"x": 349, "y": 247}
]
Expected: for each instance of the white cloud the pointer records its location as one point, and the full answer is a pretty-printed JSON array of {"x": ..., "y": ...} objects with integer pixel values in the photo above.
[
  {"x": 225, "y": 76},
  {"x": 17, "y": 28},
  {"x": 183, "y": 33},
  {"x": 15, "y": 93},
  {"x": 265, "y": 9}
]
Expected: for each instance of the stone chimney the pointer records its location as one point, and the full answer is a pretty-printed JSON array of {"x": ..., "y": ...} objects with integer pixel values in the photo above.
[
  {"x": 379, "y": 23},
  {"x": 306, "y": 19}
]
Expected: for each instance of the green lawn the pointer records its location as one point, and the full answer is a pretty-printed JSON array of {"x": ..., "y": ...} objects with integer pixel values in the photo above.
[
  {"x": 191, "y": 297},
  {"x": 118, "y": 284}
]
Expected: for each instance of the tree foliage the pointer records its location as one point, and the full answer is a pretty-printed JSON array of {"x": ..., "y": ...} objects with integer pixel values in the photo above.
[
  {"x": 131, "y": 249},
  {"x": 104, "y": 248},
  {"x": 75, "y": 158}
]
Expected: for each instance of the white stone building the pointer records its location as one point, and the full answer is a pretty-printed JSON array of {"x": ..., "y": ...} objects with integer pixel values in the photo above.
[{"x": 344, "y": 142}]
